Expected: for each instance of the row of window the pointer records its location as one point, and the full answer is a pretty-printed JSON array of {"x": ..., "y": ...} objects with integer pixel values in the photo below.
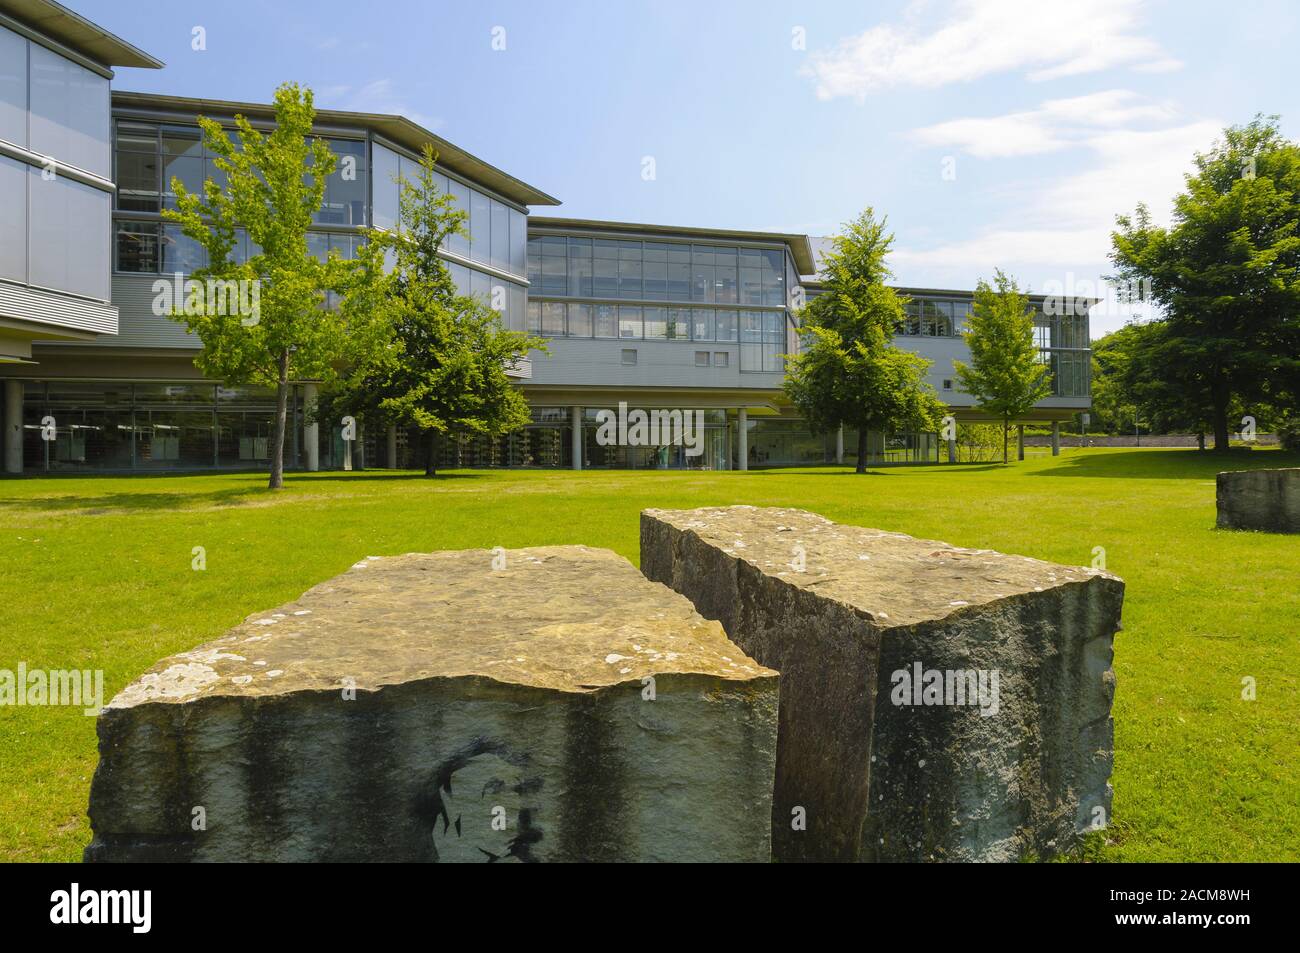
[
  {"x": 656, "y": 271},
  {"x": 495, "y": 233},
  {"x": 149, "y": 155},
  {"x": 645, "y": 322},
  {"x": 928, "y": 317}
]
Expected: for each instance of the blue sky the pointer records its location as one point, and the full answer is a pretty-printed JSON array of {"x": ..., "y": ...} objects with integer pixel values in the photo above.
[{"x": 1005, "y": 133}]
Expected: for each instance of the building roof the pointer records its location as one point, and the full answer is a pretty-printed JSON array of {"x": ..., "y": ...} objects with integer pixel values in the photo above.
[
  {"x": 397, "y": 129},
  {"x": 799, "y": 245},
  {"x": 815, "y": 283},
  {"x": 77, "y": 33}
]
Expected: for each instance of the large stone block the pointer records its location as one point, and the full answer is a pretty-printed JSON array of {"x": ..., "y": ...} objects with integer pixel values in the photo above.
[
  {"x": 936, "y": 703},
  {"x": 1267, "y": 500},
  {"x": 546, "y": 704}
]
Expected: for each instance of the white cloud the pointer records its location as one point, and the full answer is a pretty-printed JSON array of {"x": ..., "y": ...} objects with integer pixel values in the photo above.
[
  {"x": 377, "y": 96},
  {"x": 980, "y": 38},
  {"x": 1055, "y": 226},
  {"x": 1054, "y": 125}
]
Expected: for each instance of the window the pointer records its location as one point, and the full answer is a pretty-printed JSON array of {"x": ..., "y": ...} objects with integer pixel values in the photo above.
[
  {"x": 678, "y": 326},
  {"x": 580, "y": 273},
  {"x": 69, "y": 112},
  {"x": 553, "y": 318},
  {"x": 533, "y": 324},
  {"x": 629, "y": 321},
  {"x": 480, "y": 226},
  {"x": 579, "y": 320},
  {"x": 138, "y": 168},
  {"x": 725, "y": 325},
  {"x": 606, "y": 321},
  {"x": 629, "y": 356},
  {"x": 13, "y": 199},
  {"x": 629, "y": 273},
  {"x": 500, "y": 255},
  {"x": 13, "y": 88},
  {"x": 458, "y": 244},
  {"x": 656, "y": 324},
  {"x": 724, "y": 276},
  {"x": 137, "y": 247},
  {"x": 345, "y": 188},
  {"x": 721, "y": 358},
  {"x": 947, "y": 384},
  {"x": 701, "y": 358},
  {"x": 66, "y": 229},
  {"x": 518, "y": 241},
  {"x": 702, "y": 324}
]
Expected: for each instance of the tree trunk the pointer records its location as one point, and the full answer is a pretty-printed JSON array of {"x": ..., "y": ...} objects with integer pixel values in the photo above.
[
  {"x": 1200, "y": 440},
  {"x": 1006, "y": 437},
  {"x": 862, "y": 450},
  {"x": 1219, "y": 395},
  {"x": 431, "y": 455},
  {"x": 281, "y": 413}
]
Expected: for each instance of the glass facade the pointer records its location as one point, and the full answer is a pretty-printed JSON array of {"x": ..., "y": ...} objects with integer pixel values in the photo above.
[
  {"x": 53, "y": 226},
  {"x": 1064, "y": 347},
  {"x": 934, "y": 317},
  {"x": 709, "y": 287},
  {"x": 116, "y": 425}
]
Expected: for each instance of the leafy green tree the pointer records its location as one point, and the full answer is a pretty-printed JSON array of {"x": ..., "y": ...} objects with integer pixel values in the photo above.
[
  {"x": 275, "y": 184},
  {"x": 1005, "y": 375},
  {"x": 848, "y": 372},
  {"x": 1226, "y": 274},
  {"x": 442, "y": 365}
]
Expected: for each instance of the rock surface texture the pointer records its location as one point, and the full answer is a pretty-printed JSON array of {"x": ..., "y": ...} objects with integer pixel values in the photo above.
[
  {"x": 1267, "y": 500},
  {"x": 546, "y": 704},
  {"x": 937, "y": 704}
]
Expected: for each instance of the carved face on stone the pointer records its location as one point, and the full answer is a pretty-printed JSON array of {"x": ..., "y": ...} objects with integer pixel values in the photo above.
[{"x": 484, "y": 806}]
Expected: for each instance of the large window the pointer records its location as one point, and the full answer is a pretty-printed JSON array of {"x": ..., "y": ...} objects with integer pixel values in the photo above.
[
  {"x": 762, "y": 340},
  {"x": 69, "y": 112},
  {"x": 656, "y": 271},
  {"x": 934, "y": 317},
  {"x": 115, "y": 425}
]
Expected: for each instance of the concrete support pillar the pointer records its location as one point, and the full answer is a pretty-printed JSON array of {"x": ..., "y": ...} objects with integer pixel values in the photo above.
[
  {"x": 742, "y": 438},
  {"x": 952, "y": 451},
  {"x": 13, "y": 426},
  {"x": 392, "y": 446},
  {"x": 1020, "y": 440},
  {"x": 1056, "y": 438},
  {"x": 311, "y": 431},
  {"x": 575, "y": 425},
  {"x": 839, "y": 445}
]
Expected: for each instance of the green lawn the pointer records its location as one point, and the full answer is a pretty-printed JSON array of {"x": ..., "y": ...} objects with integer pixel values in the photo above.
[{"x": 95, "y": 573}]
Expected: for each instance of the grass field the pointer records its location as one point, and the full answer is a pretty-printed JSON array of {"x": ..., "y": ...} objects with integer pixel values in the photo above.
[{"x": 96, "y": 573}]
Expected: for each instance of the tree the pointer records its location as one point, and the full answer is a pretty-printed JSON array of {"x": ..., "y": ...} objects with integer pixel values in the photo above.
[
  {"x": 1005, "y": 375},
  {"x": 275, "y": 184},
  {"x": 848, "y": 372},
  {"x": 1226, "y": 273},
  {"x": 441, "y": 367}
]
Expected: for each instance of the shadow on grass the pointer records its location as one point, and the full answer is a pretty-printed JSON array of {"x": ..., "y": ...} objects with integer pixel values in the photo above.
[
  {"x": 1161, "y": 464},
  {"x": 136, "y": 501},
  {"x": 252, "y": 491}
]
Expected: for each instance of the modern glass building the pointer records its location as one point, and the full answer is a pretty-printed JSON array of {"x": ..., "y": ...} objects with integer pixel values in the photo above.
[{"x": 644, "y": 318}]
